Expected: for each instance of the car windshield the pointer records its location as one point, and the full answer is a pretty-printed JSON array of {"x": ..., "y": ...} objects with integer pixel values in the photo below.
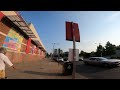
[
  {"x": 98, "y": 58},
  {"x": 102, "y": 58}
]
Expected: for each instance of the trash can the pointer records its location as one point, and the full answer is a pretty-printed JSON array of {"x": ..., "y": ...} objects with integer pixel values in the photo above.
[{"x": 67, "y": 68}]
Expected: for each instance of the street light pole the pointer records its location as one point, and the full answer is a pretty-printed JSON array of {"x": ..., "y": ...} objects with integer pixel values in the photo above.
[{"x": 74, "y": 54}]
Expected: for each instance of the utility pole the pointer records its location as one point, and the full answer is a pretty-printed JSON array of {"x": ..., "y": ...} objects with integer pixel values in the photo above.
[
  {"x": 72, "y": 34},
  {"x": 74, "y": 54}
]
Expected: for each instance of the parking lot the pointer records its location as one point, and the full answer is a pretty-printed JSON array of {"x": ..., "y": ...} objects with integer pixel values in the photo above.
[{"x": 49, "y": 69}]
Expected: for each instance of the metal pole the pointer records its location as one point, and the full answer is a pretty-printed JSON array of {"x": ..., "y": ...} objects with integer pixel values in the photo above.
[{"x": 74, "y": 48}]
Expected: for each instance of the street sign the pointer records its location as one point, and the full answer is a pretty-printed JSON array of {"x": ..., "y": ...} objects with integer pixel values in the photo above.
[
  {"x": 72, "y": 34},
  {"x": 69, "y": 31}
]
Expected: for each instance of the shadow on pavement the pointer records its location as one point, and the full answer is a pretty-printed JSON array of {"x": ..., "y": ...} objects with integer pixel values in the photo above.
[{"x": 43, "y": 73}]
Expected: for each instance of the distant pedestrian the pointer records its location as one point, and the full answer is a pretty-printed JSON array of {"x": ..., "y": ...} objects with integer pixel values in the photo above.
[{"x": 4, "y": 60}]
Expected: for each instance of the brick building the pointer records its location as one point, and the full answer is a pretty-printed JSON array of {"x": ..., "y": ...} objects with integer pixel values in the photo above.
[{"x": 20, "y": 38}]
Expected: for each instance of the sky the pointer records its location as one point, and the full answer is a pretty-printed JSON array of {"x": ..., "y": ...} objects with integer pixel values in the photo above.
[{"x": 95, "y": 27}]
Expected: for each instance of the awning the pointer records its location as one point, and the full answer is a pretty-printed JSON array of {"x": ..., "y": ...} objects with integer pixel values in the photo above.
[
  {"x": 37, "y": 42},
  {"x": 20, "y": 22}
]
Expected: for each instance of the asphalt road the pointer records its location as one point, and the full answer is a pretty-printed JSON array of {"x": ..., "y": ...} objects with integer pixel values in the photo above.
[{"x": 96, "y": 72}]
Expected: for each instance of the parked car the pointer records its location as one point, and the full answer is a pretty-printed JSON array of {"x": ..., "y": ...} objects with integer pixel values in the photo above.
[
  {"x": 102, "y": 61},
  {"x": 60, "y": 59},
  {"x": 80, "y": 58},
  {"x": 65, "y": 58}
]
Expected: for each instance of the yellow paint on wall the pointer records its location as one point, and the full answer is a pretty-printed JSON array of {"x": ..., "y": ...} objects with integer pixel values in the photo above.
[{"x": 13, "y": 34}]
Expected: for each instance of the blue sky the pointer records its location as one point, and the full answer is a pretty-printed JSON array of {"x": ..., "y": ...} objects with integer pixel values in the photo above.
[{"x": 95, "y": 27}]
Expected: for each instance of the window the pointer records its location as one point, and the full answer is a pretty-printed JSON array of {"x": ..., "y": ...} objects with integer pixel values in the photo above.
[{"x": 92, "y": 59}]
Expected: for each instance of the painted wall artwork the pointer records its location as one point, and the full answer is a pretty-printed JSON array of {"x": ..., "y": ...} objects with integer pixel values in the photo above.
[
  {"x": 13, "y": 41},
  {"x": 33, "y": 50}
]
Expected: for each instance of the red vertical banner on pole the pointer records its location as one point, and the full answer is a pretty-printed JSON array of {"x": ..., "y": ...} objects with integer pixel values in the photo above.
[
  {"x": 69, "y": 31},
  {"x": 1, "y": 15},
  {"x": 76, "y": 32},
  {"x": 72, "y": 34},
  {"x": 28, "y": 46}
]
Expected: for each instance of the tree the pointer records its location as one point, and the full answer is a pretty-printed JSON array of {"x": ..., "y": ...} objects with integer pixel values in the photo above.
[
  {"x": 110, "y": 49},
  {"x": 99, "y": 51},
  {"x": 92, "y": 54},
  {"x": 47, "y": 55},
  {"x": 118, "y": 47},
  {"x": 60, "y": 52},
  {"x": 87, "y": 55},
  {"x": 82, "y": 53}
]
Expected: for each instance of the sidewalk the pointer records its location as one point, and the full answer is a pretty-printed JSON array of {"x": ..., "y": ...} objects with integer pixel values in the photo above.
[{"x": 42, "y": 69}]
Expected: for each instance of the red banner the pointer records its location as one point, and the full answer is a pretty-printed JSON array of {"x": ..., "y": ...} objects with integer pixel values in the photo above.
[
  {"x": 1, "y": 15},
  {"x": 76, "y": 32},
  {"x": 69, "y": 31},
  {"x": 28, "y": 46}
]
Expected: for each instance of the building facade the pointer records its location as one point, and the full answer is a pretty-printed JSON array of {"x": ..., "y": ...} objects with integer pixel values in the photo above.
[{"x": 20, "y": 38}]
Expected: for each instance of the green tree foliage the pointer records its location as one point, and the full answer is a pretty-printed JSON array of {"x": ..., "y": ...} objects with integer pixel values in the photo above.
[
  {"x": 92, "y": 54},
  {"x": 82, "y": 53},
  {"x": 118, "y": 47},
  {"x": 110, "y": 49},
  {"x": 85, "y": 54},
  {"x": 99, "y": 51}
]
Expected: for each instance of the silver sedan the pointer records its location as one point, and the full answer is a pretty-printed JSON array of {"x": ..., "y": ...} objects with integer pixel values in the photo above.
[{"x": 102, "y": 61}]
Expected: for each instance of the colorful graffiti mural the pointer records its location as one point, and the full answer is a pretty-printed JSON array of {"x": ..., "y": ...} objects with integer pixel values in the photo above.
[
  {"x": 33, "y": 50},
  {"x": 13, "y": 40}
]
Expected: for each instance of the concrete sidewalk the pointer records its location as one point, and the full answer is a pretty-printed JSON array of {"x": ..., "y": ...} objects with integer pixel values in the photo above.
[{"x": 42, "y": 69}]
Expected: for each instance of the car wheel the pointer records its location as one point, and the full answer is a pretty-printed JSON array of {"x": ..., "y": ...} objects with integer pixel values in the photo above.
[
  {"x": 86, "y": 63},
  {"x": 105, "y": 65}
]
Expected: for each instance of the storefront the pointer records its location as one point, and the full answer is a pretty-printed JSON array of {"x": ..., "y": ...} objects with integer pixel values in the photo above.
[{"x": 19, "y": 38}]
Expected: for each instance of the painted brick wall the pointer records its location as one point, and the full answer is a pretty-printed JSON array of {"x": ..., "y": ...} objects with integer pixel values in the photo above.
[
  {"x": 24, "y": 41},
  {"x": 2, "y": 38},
  {"x": 23, "y": 48},
  {"x": 21, "y": 57},
  {"x": 31, "y": 45},
  {"x": 16, "y": 57},
  {"x": 4, "y": 27}
]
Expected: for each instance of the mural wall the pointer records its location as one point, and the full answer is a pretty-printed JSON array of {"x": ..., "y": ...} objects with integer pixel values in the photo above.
[
  {"x": 33, "y": 49},
  {"x": 13, "y": 40}
]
